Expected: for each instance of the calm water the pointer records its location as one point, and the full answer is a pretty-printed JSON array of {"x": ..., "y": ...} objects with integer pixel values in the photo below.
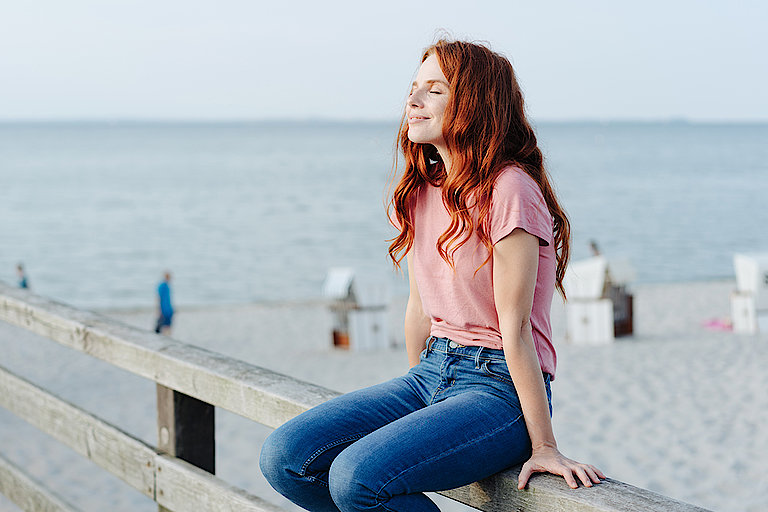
[{"x": 260, "y": 211}]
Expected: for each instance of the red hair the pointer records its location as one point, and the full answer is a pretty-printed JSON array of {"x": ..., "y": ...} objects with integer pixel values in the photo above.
[{"x": 485, "y": 130}]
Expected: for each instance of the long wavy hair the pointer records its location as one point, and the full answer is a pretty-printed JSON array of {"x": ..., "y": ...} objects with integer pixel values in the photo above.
[{"x": 485, "y": 130}]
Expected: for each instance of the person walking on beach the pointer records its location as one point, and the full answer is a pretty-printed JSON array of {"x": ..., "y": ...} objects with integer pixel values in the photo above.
[
  {"x": 594, "y": 248},
  {"x": 486, "y": 243},
  {"x": 22, "y": 276},
  {"x": 164, "y": 306}
]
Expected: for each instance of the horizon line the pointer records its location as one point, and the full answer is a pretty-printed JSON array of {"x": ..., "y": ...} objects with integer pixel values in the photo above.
[{"x": 333, "y": 120}]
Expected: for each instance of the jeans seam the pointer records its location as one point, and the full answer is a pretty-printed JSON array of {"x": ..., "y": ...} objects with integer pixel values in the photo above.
[
  {"x": 442, "y": 454},
  {"x": 325, "y": 448},
  {"x": 434, "y": 395},
  {"x": 492, "y": 375},
  {"x": 316, "y": 480},
  {"x": 505, "y": 380},
  {"x": 443, "y": 366},
  {"x": 470, "y": 357}
]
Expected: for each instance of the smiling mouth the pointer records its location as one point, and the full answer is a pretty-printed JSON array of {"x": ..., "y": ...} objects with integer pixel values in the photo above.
[{"x": 412, "y": 119}]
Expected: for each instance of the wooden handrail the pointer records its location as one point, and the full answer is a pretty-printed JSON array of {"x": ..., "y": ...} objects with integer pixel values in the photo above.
[
  {"x": 28, "y": 493},
  {"x": 171, "y": 482},
  {"x": 271, "y": 398}
]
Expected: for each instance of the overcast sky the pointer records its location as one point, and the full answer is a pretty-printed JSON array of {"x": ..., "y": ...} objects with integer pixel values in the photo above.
[{"x": 251, "y": 59}]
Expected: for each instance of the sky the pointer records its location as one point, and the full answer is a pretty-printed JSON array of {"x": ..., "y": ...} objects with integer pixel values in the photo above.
[{"x": 354, "y": 60}]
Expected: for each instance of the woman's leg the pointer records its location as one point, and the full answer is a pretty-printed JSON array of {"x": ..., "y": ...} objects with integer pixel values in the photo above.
[
  {"x": 448, "y": 444},
  {"x": 296, "y": 457},
  {"x": 473, "y": 428},
  {"x": 380, "y": 448}
]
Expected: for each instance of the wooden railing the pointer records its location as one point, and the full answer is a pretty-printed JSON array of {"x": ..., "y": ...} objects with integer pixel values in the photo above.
[{"x": 191, "y": 381}]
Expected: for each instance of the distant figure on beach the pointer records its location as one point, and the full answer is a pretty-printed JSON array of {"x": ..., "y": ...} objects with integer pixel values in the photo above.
[
  {"x": 164, "y": 306},
  {"x": 593, "y": 248},
  {"x": 487, "y": 244},
  {"x": 22, "y": 276}
]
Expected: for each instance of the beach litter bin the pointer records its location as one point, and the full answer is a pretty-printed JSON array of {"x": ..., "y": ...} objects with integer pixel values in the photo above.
[
  {"x": 599, "y": 307},
  {"x": 749, "y": 302},
  {"x": 359, "y": 307}
]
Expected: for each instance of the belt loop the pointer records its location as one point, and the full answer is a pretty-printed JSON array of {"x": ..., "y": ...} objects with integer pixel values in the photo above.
[
  {"x": 477, "y": 357},
  {"x": 430, "y": 340}
]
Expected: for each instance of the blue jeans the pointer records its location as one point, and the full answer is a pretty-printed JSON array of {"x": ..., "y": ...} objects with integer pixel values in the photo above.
[{"x": 453, "y": 419}]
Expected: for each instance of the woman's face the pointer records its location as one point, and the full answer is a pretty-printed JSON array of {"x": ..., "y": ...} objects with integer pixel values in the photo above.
[{"x": 426, "y": 104}]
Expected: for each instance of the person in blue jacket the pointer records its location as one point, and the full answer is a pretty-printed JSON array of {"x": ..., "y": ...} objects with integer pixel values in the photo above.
[
  {"x": 23, "y": 282},
  {"x": 165, "y": 307}
]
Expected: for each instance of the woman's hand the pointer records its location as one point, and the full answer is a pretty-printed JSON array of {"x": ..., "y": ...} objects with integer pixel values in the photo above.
[{"x": 550, "y": 460}]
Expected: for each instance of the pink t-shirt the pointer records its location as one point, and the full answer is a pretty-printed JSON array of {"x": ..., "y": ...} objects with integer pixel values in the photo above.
[{"x": 461, "y": 303}]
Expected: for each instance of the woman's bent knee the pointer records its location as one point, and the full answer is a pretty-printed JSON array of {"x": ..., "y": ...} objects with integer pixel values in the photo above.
[
  {"x": 281, "y": 459},
  {"x": 352, "y": 481},
  {"x": 273, "y": 460},
  {"x": 289, "y": 465}
]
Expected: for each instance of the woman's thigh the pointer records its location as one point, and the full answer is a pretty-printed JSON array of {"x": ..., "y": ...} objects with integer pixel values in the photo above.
[
  {"x": 461, "y": 439},
  {"x": 308, "y": 443}
]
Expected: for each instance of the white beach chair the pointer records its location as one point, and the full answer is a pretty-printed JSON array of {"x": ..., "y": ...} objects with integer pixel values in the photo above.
[
  {"x": 599, "y": 307},
  {"x": 589, "y": 315},
  {"x": 749, "y": 303},
  {"x": 368, "y": 321}
]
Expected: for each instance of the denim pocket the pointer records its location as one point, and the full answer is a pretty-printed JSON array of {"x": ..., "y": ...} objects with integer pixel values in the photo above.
[{"x": 498, "y": 370}]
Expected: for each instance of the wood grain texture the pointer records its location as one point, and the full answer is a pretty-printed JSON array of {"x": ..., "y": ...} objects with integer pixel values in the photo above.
[
  {"x": 264, "y": 396},
  {"x": 26, "y": 492},
  {"x": 110, "y": 448},
  {"x": 173, "y": 483},
  {"x": 182, "y": 486},
  {"x": 186, "y": 428},
  {"x": 550, "y": 493}
]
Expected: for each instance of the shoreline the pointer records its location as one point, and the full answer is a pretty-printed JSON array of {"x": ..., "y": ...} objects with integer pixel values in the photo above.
[{"x": 319, "y": 300}]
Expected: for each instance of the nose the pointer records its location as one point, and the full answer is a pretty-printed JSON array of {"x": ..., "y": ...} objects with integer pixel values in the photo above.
[{"x": 416, "y": 98}]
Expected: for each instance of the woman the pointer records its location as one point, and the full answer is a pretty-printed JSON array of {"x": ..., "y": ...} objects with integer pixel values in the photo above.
[{"x": 486, "y": 245}]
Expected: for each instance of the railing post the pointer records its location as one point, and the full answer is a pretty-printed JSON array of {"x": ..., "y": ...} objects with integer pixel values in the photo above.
[{"x": 185, "y": 429}]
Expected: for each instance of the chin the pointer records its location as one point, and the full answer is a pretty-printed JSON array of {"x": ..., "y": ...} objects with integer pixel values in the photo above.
[{"x": 416, "y": 139}]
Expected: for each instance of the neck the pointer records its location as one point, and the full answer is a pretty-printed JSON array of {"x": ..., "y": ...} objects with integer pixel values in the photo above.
[{"x": 445, "y": 156}]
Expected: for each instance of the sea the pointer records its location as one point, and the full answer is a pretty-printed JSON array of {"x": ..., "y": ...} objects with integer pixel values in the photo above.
[
  {"x": 243, "y": 212},
  {"x": 260, "y": 212}
]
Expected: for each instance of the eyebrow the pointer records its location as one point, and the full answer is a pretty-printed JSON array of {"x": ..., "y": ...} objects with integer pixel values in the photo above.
[{"x": 430, "y": 82}]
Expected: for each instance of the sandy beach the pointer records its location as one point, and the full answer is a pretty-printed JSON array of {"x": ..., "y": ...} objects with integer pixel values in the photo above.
[{"x": 677, "y": 408}]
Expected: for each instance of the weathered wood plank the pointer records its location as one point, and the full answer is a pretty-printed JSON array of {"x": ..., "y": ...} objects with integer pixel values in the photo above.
[
  {"x": 26, "y": 492},
  {"x": 110, "y": 448},
  {"x": 173, "y": 483},
  {"x": 182, "y": 486},
  {"x": 186, "y": 428},
  {"x": 549, "y": 493},
  {"x": 261, "y": 395}
]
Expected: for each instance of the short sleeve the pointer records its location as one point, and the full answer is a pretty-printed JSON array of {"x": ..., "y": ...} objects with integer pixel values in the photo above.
[{"x": 517, "y": 202}]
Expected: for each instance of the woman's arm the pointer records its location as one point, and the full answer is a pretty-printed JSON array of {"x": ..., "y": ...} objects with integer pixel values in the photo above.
[
  {"x": 515, "y": 267},
  {"x": 417, "y": 323}
]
